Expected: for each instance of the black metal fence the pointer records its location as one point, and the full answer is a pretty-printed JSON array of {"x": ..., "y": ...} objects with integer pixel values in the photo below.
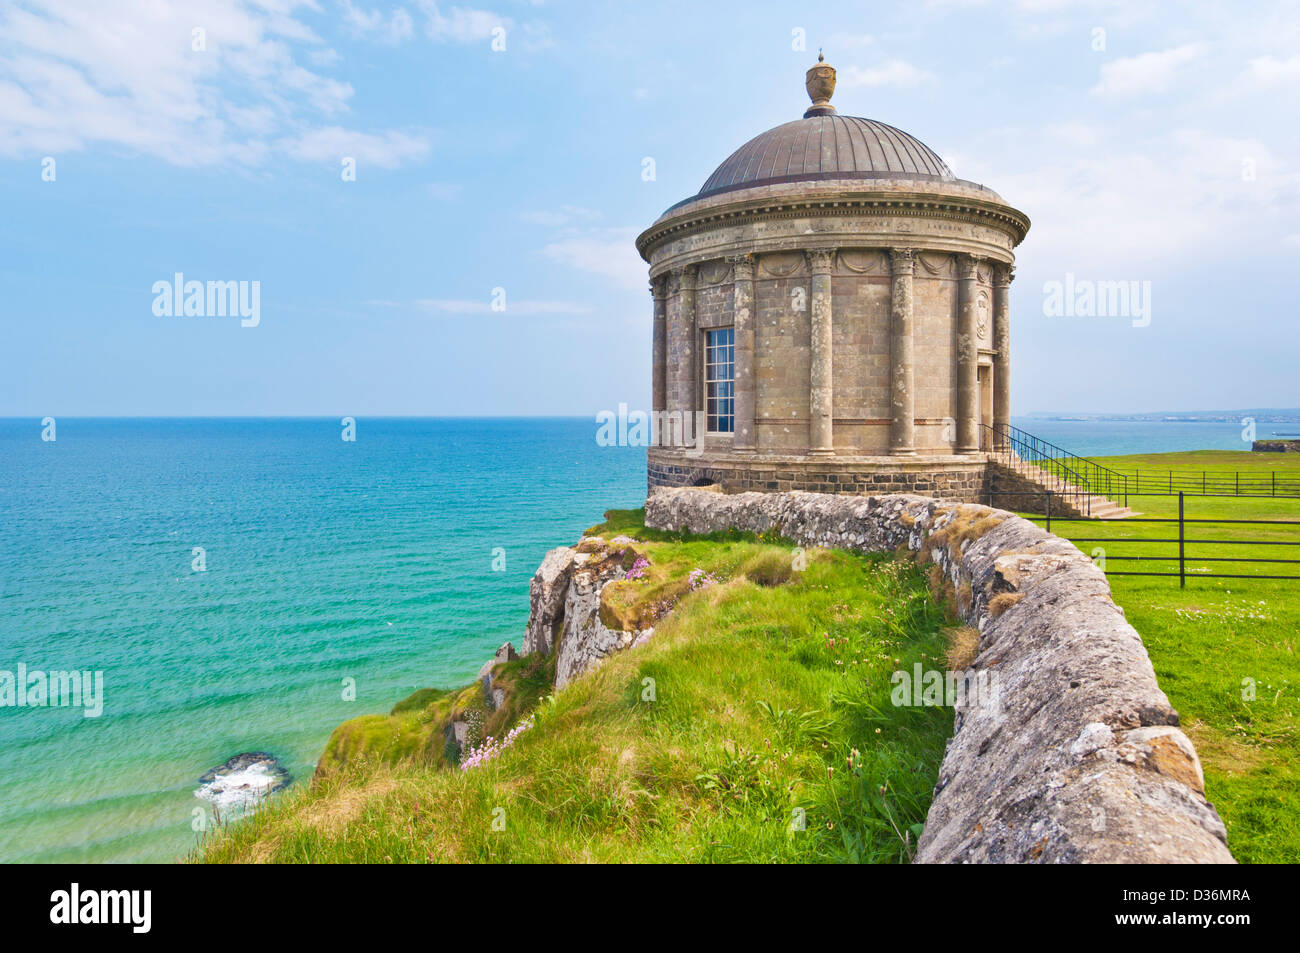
[
  {"x": 1069, "y": 474},
  {"x": 1210, "y": 483},
  {"x": 1184, "y": 524}
]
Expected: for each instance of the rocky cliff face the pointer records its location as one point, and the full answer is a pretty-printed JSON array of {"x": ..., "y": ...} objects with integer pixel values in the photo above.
[{"x": 565, "y": 601}]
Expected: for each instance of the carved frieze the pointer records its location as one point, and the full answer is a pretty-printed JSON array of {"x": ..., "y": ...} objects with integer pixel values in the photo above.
[
  {"x": 714, "y": 272},
  {"x": 781, "y": 264},
  {"x": 862, "y": 261},
  {"x": 935, "y": 265}
]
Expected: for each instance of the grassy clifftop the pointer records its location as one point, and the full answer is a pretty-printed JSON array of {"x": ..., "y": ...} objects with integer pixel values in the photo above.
[{"x": 754, "y": 725}]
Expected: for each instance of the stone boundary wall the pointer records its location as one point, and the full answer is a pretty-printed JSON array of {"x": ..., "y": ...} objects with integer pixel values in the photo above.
[{"x": 1081, "y": 758}]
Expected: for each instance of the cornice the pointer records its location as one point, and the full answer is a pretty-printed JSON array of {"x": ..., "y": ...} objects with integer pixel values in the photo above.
[{"x": 916, "y": 205}]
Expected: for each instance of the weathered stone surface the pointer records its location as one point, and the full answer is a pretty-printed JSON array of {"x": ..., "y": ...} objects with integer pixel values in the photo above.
[
  {"x": 584, "y": 639},
  {"x": 546, "y": 595},
  {"x": 504, "y": 654},
  {"x": 1080, "y": 759}
]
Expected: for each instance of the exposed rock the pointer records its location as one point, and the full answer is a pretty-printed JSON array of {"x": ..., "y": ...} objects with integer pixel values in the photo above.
[
  {"x": 1080, "y": 759},
  {"x": 504, "y": 654},
  {"x": 584, "y": 639},
  {"x": 546, "y": 595}
]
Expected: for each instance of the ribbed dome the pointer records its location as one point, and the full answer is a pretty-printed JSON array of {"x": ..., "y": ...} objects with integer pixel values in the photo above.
[{"x": 827, "y": 147}]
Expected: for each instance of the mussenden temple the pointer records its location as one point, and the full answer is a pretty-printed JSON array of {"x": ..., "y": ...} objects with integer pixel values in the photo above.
[{"x": 833, "y": 307}]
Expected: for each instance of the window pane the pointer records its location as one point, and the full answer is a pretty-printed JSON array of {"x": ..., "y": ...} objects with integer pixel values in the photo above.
[{"x": 719, "y": 378}]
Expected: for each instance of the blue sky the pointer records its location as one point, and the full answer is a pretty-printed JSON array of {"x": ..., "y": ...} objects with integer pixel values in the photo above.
[{"x": 1167, "y": 155}]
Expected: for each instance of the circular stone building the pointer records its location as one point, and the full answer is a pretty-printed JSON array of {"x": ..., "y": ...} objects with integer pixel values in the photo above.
[{"x": 831, "y": 313}]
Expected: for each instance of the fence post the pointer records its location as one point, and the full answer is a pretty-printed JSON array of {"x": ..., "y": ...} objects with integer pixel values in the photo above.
[
  {"x": 1182, "y": 536},
  {"x": 1237, "y": 474},
  {"x": 1274, "y": 483},
  {"x": 1049, "y": 511}
]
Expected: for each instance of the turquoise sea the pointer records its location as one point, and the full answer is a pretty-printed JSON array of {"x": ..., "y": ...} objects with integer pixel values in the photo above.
[{"x": 324, "y": 560}]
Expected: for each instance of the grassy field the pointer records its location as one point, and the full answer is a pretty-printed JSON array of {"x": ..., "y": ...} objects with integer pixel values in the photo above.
[
  {"x": 754, "y": 726},
  {"x": 1224, "y": 650}
]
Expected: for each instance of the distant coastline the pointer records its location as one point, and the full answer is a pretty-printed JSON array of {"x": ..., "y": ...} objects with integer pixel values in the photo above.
[{"x": 1260, "y": 416}]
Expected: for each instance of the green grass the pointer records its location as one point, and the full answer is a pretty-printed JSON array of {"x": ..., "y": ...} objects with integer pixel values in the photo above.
[
  {"x": 760, "y": 700},
  {"x": 1207, "y": 640}
]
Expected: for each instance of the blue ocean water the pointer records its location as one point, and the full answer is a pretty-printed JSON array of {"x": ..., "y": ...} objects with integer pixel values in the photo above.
[
  {"x": 325, "y": 560},
  {"x": 1103, "y": 438}
]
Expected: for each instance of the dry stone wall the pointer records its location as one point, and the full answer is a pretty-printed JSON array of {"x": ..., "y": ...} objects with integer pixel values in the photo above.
[{"x": 1081, "y": 758}]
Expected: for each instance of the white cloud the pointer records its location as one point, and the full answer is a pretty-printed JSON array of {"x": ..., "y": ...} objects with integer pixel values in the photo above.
[
  {"x": 610, "y": 253},
  {"x": 891, "y": 73},
  {"x": 388, "y": 150},
  {"x": 460, "y": 24},
  {"x": 397, "y": 27},
  {"x": 128, "y": 75},
  {"x": 1267, "y": 72},
  {"x": 1145, "y": 73},
  {"x": 1169, "y": 198}
]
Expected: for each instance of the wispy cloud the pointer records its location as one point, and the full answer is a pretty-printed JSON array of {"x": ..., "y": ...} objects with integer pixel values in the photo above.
[
  {"x": 608, "y": 252},
  {"x": 1147, "y": 72},
  {"x": 221, "y": 83},
  {"x": 892, "y": 73},
  {"x": 460, "y": 24},
  {"x": 387, "y": 150},
  {"x": 1270, "y": 72},
  {"x": 393, "y": 28}
]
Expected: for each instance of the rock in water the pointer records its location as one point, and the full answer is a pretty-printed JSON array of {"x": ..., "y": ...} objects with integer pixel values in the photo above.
[{"x": 237, "y": 787}]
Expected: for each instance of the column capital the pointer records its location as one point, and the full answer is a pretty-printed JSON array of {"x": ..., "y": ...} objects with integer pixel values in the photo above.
[
  {"x": 902, "y": 261},
  {"x": 685, "y": 275},
  {"x": 681, "y": 278},
  {"x": 742, "y": 267},
  {"x": 659, "y": 286},
  {"x": 968, "y": 266},
  {"x": 820, "y": 260},
  {"x": 1003, "y": 275}
]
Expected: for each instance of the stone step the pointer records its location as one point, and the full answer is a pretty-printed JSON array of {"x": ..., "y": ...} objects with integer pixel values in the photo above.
[{"x": 1096, "y": 505}]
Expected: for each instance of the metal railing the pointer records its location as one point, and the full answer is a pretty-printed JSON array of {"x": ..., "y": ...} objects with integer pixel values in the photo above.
[
  {"x": 1182, "y": 541},
  {"x": 1153, "y": 482},
  {"x": 1056, "y": 469}
]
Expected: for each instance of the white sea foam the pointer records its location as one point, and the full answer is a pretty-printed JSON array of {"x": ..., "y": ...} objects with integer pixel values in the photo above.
[{"x": 241, "y": 784}]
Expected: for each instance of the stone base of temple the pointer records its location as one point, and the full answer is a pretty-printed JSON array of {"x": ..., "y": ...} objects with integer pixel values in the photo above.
[{"x": 959, "y": 477}]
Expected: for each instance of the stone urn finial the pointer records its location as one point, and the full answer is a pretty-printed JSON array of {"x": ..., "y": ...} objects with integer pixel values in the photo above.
[{"x": 820, "y": 83}]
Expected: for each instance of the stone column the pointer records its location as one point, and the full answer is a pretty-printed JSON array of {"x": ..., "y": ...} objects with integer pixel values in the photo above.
[
  {"x": 968, "y": 434},
  {"x": 821, "y": 393},
  {"x": 659, "y": 345},
  {"x": 902, "y": 398},
  {"x": 745, "y": 437},
  {"x": 1003, "y": 275},
  {"x": 687, "y": 386}
]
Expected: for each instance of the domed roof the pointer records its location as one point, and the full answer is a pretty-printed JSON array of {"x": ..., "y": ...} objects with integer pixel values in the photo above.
[{"x": 826, "y": 147}]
